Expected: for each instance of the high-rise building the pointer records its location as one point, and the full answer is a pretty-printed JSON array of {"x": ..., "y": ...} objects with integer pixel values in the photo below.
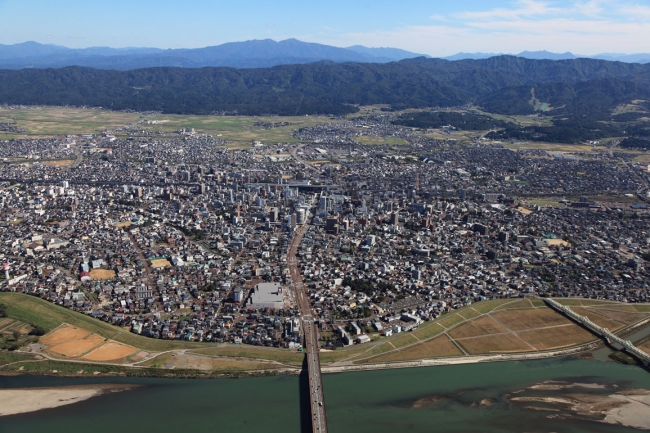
[
  {"x": 331, "y": 225},
  {"x": 301, "y": 216},
  {"x": 273, "y": 215}
]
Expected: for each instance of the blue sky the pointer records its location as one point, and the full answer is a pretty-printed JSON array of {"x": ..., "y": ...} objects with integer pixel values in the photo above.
[{"x": 432, "y": 27}]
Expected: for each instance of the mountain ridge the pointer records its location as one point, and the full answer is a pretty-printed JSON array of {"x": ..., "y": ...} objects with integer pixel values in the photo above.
[
  {"x": 261, "y": 53},
  {"x": 501, "y": 84},
  {"x": 246, "y": 54}
]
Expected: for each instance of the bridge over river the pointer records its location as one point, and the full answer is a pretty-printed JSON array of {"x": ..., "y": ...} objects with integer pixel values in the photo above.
[
  {"x": 603, "y": 332},
  {"x": 310, "y": 335}
]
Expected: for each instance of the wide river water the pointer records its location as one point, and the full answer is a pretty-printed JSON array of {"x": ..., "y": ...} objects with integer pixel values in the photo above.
[{"x": 372, "y": 401}]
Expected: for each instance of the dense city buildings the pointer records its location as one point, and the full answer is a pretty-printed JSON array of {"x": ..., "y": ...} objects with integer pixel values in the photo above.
[{"x": 183, "y": 236}]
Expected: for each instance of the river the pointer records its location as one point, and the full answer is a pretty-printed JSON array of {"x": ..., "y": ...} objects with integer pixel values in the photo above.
[{"x": 387, "y": 401}]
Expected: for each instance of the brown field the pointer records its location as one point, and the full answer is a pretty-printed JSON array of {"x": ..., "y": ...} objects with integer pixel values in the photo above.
[
  {"x": 556, "y": 242},
  {"x": 139, "y": 356},
  {"x": 438, "y": 347},
  {"x": 110, "y": 352},
  {"x": 59, "y": 163},
  {"x": 645, "y": 347},
  {"x": 598, "y": 319},
  {"x": 614, "y": 307},
  {"x": 123, "y": 224},
  {"x": 63, "y": 334},
  {"x": 481, "y": 326},
  {"x": 522, "y": 303},
  {"x": 627, "y": 317},
  {"x": 102, "y": 274},
  {"x": 518, "y": 320},
  {"x": 502, "y": 343},
  {"x": 161, "y": 263},
  {"x": 75, "y": 348},
  {"x": 556, "y": 338}
]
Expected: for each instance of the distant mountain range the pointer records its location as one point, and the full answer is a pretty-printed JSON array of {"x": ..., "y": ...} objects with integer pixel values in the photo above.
[
  {"x": 546, "y": 55},
  {"x": 248, "y": 54}
]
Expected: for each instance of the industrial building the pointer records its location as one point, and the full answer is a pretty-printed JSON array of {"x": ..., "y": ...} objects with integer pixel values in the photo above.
[{"x": 266, "y": 295}]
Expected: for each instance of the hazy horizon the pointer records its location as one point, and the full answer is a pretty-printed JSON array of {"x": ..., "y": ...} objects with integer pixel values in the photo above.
[{"x": 587, "y": 27}]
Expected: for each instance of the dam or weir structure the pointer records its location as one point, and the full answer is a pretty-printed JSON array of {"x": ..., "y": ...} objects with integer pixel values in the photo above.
[{"x": 603, "y": 332}]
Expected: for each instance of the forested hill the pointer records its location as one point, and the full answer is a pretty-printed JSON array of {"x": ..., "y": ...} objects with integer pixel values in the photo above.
[{"x": 500, "y": 84}]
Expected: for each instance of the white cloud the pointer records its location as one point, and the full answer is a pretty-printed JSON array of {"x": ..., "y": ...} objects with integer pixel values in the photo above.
[
  {"x": 523, "y": 9},
  {"x": 582, "y": 27},
  {"x": 558, "y": 35},
  {"x": 591, "y": 8},
  {"x": 638, "y": 11}
]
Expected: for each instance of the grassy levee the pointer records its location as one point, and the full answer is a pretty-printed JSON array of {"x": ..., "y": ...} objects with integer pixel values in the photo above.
[
  {"x": 253, "y": 352},
  {"x": 48, "y": 316},
  {"x": 11, "y": 357},
  {"x": 204, "y": 363}
]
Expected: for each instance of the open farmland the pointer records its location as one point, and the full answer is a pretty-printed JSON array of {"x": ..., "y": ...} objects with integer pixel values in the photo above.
[
  {"x": 504, "y": 326},
  {"x": 242, "y": 130},
  {"x": 60, "y": 121},
  {"x": 238, "y": 129}
]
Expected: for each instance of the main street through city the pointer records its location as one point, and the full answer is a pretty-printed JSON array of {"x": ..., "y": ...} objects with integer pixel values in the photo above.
[{"x": 310, "y": 333}]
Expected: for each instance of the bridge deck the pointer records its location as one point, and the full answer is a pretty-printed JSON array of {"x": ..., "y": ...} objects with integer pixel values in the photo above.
[{"x": 310, "y": 334}]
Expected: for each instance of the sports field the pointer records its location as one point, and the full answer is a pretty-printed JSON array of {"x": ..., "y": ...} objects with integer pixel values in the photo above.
[
  {"x": 160, "y": 263},
  {"x": 102, "y": 274},
  {"x": 71, "y": 342}
]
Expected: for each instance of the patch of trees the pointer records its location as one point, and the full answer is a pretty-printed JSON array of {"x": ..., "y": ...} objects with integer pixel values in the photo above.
[
  {"x": 3, "y": 310},
  {"x": 635, "y": 143},
  {"x": 563, "y": 131},
  {"x": 461, "y": 121},
  {"x": 38, "y": 331}
]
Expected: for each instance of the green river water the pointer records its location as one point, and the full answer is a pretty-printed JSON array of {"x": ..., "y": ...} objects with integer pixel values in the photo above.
[{"x": 372, "y": 401}]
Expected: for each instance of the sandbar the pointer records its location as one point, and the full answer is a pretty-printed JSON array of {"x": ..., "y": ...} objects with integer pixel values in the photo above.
[{"x": 23, "y": 400}]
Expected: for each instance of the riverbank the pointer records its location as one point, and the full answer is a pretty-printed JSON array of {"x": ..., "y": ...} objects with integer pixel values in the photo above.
[
  {"x": 460, "y": 360},
  {"x": 76, "y": 369},
  {"x": 24, "y": 400},
  {"x": 472, "y": 398}
]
